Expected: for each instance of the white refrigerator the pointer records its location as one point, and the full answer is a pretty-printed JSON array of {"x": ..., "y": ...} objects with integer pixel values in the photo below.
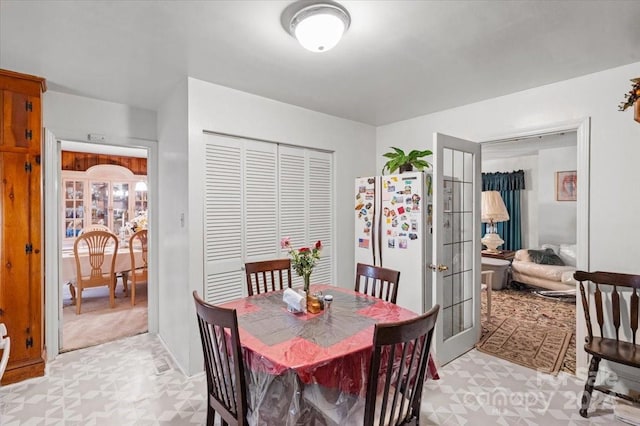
[{"x": 393, "y": 230}]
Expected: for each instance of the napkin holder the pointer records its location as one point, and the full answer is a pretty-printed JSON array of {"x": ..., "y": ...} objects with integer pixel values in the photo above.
[{"x": 296, "y": 303}]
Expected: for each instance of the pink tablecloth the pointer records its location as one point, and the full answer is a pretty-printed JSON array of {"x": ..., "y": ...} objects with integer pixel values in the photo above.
[{"x": 285, "y": 352}]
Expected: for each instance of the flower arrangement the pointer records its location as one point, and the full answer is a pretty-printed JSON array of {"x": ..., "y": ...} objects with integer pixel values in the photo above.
[
  {"x": 303, "y": 259},
  {"x": 632, "y": 96},
  {"x": 137, "y": 223}
]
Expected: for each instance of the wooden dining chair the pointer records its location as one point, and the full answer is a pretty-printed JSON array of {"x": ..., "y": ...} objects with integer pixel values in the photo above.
[
  {"x": 138, "y": 273},
  {"x": 94, "y": 227},
  {"x": 267, "y": 275},
  {"x": 613, "y": 344},
  {"x": 226, "y": 387},
  {"x": 398, "y": 366},
  {"x": 377, "y": 281},
  {"x": 101, "y": 273}
]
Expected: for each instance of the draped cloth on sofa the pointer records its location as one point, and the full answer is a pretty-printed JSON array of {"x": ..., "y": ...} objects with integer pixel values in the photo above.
[{"x": 509, "y": 185}]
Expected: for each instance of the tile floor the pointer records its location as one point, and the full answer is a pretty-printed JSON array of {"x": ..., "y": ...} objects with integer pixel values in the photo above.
[{"x": 134, "y": 382}]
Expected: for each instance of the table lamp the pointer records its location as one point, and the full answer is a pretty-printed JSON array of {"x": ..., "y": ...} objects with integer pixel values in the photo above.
[{"x": 493, "y": 211}]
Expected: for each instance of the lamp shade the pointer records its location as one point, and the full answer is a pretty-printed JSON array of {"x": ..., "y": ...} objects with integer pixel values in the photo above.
[{"x": 493, "y": 208}]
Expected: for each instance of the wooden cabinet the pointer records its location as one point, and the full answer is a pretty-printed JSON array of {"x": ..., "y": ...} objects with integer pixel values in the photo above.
[
  {"x": 108, "y": 195},
  {"x": 21, "y": 280}
]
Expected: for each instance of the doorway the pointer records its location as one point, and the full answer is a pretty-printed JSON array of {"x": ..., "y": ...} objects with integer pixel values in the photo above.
[
  {"x": 581, "y": 128},
  {"x": 53, "y": 222},
  {"x": 103, "y": 187}
]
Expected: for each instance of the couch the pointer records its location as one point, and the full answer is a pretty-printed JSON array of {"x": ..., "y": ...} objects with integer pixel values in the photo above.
[{"x": 551, "y": 267}]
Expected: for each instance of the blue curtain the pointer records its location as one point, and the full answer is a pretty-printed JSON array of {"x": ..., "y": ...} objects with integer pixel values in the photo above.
[{"x": 509, "y": 185}]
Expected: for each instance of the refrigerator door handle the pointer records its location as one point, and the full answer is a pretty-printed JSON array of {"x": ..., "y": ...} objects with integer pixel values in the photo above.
[{"x": 439, "y": 268}]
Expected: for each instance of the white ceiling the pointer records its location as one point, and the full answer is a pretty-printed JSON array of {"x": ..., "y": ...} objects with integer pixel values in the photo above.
[{"x": 399, "y": 59}]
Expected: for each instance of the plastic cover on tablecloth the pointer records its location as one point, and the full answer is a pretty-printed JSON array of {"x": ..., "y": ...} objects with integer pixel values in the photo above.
[{"x": 300, "y": 365}]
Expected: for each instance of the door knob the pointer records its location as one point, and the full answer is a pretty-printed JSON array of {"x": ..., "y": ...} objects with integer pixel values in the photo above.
[{"x": 439, "y": 268}]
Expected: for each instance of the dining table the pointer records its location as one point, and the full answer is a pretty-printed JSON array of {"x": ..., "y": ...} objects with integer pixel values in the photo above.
[{"x": 293, "y": 359}]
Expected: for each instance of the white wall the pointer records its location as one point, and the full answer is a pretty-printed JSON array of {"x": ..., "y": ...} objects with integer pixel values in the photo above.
[
  {"x": 173, "y": 277},
  {"x": 220, "y": 109},
  {"x": 74, "y": 117},
  {"x": 614, "y": 150},
  {"x": 614, "y": 147},
  {"x": 528, "y": 197},
  {"x": 557, "y": 219}
]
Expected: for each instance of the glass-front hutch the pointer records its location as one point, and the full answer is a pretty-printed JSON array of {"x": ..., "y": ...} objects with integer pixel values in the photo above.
[{"x": 107, "y": 195}]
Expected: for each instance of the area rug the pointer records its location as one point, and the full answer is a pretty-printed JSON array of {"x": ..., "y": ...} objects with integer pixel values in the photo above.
[
  {"x": 98, "y": 323},
  {"x": 527, "y": 344}
]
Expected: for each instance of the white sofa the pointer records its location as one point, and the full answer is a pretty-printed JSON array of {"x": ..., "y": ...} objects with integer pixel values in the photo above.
[{"x": 550, "y": 277}]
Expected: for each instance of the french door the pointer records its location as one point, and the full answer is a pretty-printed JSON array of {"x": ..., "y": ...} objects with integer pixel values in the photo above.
[{"x": 456, "y": 245}]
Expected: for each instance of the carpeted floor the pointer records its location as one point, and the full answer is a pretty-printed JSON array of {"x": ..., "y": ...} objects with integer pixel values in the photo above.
[
  {"x": 534, "y": 317},
  {"x": 98, "y": 323}
]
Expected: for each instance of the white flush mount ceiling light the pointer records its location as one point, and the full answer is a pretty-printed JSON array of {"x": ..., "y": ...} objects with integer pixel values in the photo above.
[{"x": 317, "y": 25}]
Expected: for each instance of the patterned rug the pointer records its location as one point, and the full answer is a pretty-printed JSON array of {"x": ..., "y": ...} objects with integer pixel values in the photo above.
[{"x": 530, "y": 330}]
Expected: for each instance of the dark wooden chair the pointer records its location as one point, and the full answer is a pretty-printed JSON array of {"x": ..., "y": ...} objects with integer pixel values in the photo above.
[
  {"x": 398, "y": 367},
  {"x": 378, "y": 282},
  {"x": 267, "y": 275},
  {"x": 610, "y": 345},
  {"x": 226, "y": 387}
]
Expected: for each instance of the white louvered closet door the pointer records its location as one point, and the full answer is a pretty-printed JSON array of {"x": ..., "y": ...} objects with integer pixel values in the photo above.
[
  {"x": 320, "y": 214},
  {"x": 223, "y": 219},
  {"x": 306, "y": 205},
  {"x": 261, "y": 201},
  {"x": 293, "y": 200},
  {"x": 255, "y": 194}
]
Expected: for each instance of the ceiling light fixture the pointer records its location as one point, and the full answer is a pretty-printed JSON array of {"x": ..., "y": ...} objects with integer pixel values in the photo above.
[{"x": 317, "y": 25}]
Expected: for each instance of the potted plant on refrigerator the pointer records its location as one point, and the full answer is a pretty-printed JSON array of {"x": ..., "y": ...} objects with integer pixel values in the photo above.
[{"x": 405, "y": 162}]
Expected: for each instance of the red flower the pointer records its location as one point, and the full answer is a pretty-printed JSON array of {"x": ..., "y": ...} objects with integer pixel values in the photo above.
[
  {"x": 319, "y": 245},
  {"x": 304, "y": 249}
]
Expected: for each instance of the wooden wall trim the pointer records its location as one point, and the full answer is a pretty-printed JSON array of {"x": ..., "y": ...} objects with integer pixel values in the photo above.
[{"x": 81, "y": 161}]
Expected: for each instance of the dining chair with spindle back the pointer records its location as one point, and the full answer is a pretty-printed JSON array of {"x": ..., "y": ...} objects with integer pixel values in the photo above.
[
  {"x": 267, "y": 275},
  {"x": 226, "y": 386},
  {"x": 398, "y": 368},
  {"x": 377, "y": 281},
  {"x": 101, "y": 272}
]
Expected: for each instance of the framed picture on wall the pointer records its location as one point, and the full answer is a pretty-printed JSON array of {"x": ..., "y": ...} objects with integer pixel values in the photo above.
[{"x": 566, "y": 186}]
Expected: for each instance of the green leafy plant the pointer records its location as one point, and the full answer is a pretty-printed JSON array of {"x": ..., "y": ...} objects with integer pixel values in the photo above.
[{"x": 406, "y": 162}]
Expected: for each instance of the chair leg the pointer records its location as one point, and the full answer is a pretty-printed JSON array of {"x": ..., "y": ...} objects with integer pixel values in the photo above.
[
  {"x": 588, "y": 387},
  {"x": 79, "y": 300},
  {"x": 211, "y": 416},
  {"x": 112, "y": 293},
  {"x": 133, "y": 292},
  {"x": 125, "y": 279}
]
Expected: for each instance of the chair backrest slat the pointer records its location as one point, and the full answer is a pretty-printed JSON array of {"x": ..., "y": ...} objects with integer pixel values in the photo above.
[
  {"x": 267, "y": 275},
  {"x": 384, "y": 282},
  {"x": 617, "y": 283},
  {"x": 615, "y": 305},
  {"x": 599, "y": 311},
  {"x": 634, "y": 314},
  {"x": 223, "y": 362},
  {"x": 398, "y": 367}
]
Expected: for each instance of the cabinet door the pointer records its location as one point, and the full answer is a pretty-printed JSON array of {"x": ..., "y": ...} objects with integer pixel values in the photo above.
[
  {"x": 120, "y": 206},
  {"x": 100, "y": 203},
  {"x": 73, "y": 205},
  {"x": 20, "y": 121},
  {"x": 19, "y": 264}
]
